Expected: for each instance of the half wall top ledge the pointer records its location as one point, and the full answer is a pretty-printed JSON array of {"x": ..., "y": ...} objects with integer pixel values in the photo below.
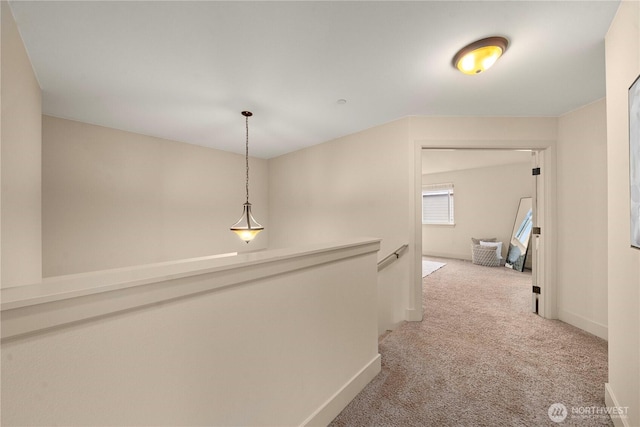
[{"x": 65, "y": 299}]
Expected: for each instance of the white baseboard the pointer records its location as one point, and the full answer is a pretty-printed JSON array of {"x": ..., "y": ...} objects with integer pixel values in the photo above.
[
  {"x": 332, "y": 407},
  {"x": 585, "y": 324},
  {"x": 464, "y": 256},
  {"x": 611, "y": 402}
]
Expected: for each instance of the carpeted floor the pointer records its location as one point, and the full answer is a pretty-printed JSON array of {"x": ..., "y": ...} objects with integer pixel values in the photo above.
[{"x": 481, "y": 358}]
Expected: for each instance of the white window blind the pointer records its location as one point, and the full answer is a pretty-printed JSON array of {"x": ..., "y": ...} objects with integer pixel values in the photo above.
[{"x": 437, "y": 204}]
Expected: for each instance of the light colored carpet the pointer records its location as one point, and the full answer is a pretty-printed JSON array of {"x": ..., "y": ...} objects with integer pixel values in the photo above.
[
  {"x": 481, "y": 358},
  {"x": 429, "y": 267}
]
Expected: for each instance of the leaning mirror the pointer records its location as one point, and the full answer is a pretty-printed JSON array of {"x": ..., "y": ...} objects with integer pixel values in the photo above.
[{"x": 519, "y": 243}]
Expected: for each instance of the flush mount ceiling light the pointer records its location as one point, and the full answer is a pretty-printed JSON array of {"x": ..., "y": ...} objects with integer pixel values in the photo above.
[
  {"x": 480, "y": 55},
  {"x": 247, "y": 227}
]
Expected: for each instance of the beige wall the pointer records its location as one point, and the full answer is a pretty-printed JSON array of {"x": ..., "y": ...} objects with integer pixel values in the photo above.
[
  {"x": 582, "y": 215},
  {"x": 358, "y": 185},
  {"x": 270, "y": 339},
  {"x": 485, "y": 205},
  {"x": 113, "y": 198},
  {"x": 623, "y": 65},
  {"x": 21, "y": 245},
  {"x": 352, "y": 186},
  {"x": 483, "y": 132}
]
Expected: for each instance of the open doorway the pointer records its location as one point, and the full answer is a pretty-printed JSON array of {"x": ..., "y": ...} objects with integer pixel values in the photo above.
[{"x": 476, "y": 194}]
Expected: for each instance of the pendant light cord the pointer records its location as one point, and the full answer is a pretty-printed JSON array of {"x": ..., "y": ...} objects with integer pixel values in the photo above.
[{"x": 246, "y": 156}]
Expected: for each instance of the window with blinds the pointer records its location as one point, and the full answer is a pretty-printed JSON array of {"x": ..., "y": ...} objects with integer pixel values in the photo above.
[{"x": 437, "y": 204}]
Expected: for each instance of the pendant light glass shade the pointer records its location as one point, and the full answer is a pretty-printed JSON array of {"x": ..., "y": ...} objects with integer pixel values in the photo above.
[
  {"x": 247, "y": 228},
  {"x": 479, "y": 56}
]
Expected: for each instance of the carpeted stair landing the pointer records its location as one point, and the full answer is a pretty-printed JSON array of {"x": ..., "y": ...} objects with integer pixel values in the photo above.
[{"x": 481, "y": 358}]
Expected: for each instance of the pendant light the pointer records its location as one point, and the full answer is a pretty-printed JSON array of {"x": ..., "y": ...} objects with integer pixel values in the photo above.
[
  {"x": 247, "y": 227},
  {"x": 480, "y": 55}
]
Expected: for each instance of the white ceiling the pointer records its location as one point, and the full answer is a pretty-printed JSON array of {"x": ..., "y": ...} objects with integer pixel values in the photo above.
[{"x": 185, "y": 70}]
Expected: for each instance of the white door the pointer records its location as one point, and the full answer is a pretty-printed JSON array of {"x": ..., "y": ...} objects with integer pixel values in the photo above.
[{"x": 537, "y": 236}]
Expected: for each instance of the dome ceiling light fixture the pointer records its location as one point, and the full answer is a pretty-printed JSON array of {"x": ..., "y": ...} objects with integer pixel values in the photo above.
[
  {"x": 247, "y": 227},
  {"x": 480, "y": 55}
]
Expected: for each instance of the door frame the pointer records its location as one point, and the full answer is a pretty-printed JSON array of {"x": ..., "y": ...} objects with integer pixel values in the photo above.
[{"x": 546, "y": 217}]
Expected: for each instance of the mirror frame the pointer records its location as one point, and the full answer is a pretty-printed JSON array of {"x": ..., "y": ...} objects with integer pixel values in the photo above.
[{"x": 518, "y": 250}]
